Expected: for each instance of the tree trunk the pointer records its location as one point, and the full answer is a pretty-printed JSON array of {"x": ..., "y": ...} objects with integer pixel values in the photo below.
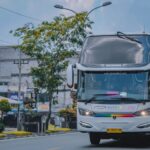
[
  {"x": 50, "y": 95},
  {"x": 2, "y": 116}
]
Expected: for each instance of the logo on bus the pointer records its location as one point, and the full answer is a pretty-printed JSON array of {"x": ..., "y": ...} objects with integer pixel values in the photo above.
[{"x": 114, "y": 117}]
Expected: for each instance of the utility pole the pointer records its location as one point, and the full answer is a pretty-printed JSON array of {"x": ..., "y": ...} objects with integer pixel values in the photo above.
[
  {"x": 20, "y": 62},
  {"x": 19, "y": 92},
  {"x": 64, "y": 90}
]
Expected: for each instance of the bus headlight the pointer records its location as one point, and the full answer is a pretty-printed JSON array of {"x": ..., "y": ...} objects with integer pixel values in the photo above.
[
  {"x": 143, "y": 113},
  {"x": 145, "y": 125},
  {"x": 85, "y": 112}
]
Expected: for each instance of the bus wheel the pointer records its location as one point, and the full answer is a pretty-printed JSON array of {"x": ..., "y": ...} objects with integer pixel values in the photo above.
[{"x": 94, "y": 138}]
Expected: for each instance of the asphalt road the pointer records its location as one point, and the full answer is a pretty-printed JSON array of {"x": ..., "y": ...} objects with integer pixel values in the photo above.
[{"x": 68, "y": 141}]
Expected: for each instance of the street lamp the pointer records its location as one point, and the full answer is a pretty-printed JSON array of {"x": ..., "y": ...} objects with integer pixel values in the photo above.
[
  {"x": 62, "y": 7},
  {"x": 103, "y": 5}
]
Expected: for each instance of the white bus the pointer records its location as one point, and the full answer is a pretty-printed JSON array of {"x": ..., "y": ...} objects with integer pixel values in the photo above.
[{"x": 113, "y": 86}]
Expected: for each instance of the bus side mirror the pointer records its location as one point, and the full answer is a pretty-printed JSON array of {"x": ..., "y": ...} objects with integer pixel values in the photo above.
[{"x": 70, "y": 76}]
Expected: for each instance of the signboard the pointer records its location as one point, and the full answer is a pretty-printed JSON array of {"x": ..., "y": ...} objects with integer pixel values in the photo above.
[
  {"x": 14, "y": 96},
  {"x": 43, "y": 107}
]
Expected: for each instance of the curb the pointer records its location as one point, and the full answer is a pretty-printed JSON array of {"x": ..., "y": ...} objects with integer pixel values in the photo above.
[{"x": 34, "y": 135}]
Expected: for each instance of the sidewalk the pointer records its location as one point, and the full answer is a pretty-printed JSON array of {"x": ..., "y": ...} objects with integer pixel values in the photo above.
[{"x": 13, "y": 133}]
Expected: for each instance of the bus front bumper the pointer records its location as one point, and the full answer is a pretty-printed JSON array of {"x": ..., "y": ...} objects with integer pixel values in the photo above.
[{"x": 114, "y": 126}]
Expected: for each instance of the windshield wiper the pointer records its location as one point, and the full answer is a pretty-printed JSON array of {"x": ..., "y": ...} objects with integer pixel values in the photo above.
[
  {"x": 123, "y": 99},
  {"x": 96, "y": 95},
  {"x": 129, "y": 99},
  {"x": 124, "y": 36}
]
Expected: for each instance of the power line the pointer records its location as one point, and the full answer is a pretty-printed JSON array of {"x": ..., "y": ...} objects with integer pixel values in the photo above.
[
  {"x": 5, "y": 42},
  {"x": 20, "y": 14}
]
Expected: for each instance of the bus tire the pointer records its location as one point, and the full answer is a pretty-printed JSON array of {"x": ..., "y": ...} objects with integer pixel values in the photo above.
[{"x": 94, "y": 138}]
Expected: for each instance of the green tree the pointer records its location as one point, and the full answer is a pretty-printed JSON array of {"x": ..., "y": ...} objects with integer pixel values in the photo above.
[
  {"x": 4, "y": 107},
  {"x": 52, "y": 43}
]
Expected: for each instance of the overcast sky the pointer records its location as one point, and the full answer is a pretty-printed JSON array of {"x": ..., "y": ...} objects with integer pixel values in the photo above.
[{"x": 129, "y": 16}]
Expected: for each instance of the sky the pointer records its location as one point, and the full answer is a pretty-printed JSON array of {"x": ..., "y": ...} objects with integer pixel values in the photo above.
[{"x": 128, "y": 16}]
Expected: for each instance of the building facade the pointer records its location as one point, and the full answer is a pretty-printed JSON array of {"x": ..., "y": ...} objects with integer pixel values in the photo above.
[{"x": 9, "y": 70}]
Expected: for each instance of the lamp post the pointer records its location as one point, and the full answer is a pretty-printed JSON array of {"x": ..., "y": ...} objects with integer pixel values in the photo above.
[{"x": 103, "y": 5}]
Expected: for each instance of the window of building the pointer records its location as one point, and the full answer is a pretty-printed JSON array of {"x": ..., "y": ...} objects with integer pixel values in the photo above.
[{"x": 3, "y": 83}]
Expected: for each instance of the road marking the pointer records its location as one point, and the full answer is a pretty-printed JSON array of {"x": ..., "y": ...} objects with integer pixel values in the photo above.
[
  {"x": 54, "y": 148},
  {"x": 35, "y": 137}
]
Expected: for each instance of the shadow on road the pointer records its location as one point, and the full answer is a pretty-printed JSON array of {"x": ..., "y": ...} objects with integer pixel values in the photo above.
[{"x": 121, "y": 144}]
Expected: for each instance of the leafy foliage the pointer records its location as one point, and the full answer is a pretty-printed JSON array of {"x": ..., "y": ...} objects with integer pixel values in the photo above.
[
  {"x": 68, "y": 111},
  {"x": 4, "y": 106},
  {"x": 52, "y": 44},
  {"x": 1, "y": 127}
]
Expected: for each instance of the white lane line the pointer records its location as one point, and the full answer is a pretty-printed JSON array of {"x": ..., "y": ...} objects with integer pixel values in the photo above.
[
  {"x": 25, "y": 138},
  {"x": 54, "y": 148}
]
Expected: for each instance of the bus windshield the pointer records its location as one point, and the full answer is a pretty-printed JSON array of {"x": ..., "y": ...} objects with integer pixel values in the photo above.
[
  {"x": 112, "y": 50},
  {"x": 111, "y": 85}
]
